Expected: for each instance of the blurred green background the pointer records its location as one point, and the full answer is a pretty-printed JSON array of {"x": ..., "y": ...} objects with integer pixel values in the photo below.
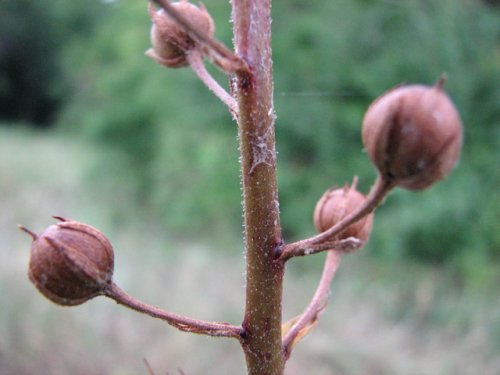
[{"x": 93, "y": 130}]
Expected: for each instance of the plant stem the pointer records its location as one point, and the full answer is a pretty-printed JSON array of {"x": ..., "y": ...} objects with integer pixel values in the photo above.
[
  {"x": 318, "y": 302},
  {"x": 379, "y": 190},
  {"x": 178, "y": 321},
  {"x": 195, "y": 60},
  {"x": 346, "y": 245},
  {"x": 264, "y": 274},
  {"x": 224, "y": 57}
]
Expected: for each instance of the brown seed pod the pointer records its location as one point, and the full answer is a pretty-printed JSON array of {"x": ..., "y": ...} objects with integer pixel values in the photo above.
[
  {"x": 413, "y": 135},
  {"x": 70, "y": 262},
  {"x": 334, "y": 205},
  {"x": 169, "y": 40}
]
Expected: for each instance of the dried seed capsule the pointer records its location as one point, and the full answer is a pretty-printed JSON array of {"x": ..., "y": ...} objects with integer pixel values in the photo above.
[
  {"x": 70, "y": 262},
  {"x": 169, "y": 40},
  {"x": 334, "y": 205},
  {"x": 413, "y": 135}
]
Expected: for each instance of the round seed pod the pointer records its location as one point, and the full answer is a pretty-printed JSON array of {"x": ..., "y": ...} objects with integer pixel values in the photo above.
[
  {"x": 169, "y": 40},
  {"x": 413, "y": 135},
  {"x": 70, "y": 262},
  {"x": 334, "y": 205}
]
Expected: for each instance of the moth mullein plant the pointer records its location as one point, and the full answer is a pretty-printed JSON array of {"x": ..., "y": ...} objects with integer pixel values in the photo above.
[{"x": 412, "y": 134}]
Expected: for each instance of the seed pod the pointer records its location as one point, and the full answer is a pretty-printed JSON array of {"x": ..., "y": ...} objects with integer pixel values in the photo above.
[
  {"x": 169, "y": 40},
  {"x": 70, "y": 262},
  {"x": 334, "y": 205},
  {"x": 413, "y": 135}
]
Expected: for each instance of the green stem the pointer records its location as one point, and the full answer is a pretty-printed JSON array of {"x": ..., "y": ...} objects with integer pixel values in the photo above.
[{"x": 264, "y": 274}]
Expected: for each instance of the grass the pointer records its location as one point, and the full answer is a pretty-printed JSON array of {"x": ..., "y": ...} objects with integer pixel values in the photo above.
[{"x": 383, "y": 318}]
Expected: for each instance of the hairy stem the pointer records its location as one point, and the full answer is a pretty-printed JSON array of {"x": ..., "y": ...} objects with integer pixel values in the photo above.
[
  {"x": 318, "y": 302},
  {"x": 178, "y": 321},
  {"x": 264, "y": 274}
]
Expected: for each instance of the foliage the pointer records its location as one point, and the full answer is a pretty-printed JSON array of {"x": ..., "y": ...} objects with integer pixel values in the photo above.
[
  {"x": 163, "y": 138},
  {"x": 418, "y": 233},
  {"x": 331, "y": 59},
  {"x": 32, "y": 40}
]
